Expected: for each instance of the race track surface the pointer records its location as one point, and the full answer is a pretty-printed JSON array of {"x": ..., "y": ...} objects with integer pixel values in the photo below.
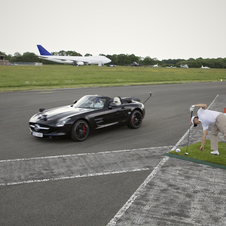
[{"x": 117, "y": 176}]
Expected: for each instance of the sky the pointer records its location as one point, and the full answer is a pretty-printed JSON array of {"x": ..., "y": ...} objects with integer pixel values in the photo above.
[{"x": 162, "y": 29}]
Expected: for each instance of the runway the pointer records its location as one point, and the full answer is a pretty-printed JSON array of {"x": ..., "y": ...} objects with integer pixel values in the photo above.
[{"x": 95, "y": 200}]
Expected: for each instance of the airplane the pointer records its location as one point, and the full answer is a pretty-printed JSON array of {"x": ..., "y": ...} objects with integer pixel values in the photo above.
[
  {"x": 171, "y": 67},
  {"x": 205, "y": 67},
  {"x": 135, "y": 64},
  {"x": 74, "y": 60},
  {"x": 184, "y": 66},
  {"x": 156, "y": 65}
]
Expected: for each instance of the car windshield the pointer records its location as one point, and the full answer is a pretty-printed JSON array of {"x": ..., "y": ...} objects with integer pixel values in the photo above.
[{"x": 90, "y": 102}]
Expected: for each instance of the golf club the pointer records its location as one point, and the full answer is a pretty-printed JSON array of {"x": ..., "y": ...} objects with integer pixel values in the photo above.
[
  {"x": 186, "y": 153},
  {"x": 150, "y": 94}
]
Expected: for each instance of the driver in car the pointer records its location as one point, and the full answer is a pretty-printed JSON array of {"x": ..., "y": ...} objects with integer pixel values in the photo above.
[{"x": 97, "y": 103}]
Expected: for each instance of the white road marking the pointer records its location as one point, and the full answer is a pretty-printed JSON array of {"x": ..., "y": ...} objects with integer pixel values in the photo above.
[
  {"x": 73, "y": 177},
  {"x": 83, "y": 154},
  {"x": 137, "y": 193},
  {"x": 52, "y": 168}
]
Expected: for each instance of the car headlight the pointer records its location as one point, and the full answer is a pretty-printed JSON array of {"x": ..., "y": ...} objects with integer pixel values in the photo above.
[{"x": 62, "y": 122}]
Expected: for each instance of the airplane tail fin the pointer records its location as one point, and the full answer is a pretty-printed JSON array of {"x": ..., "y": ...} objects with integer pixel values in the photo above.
[{"x": 43, "y": 51}]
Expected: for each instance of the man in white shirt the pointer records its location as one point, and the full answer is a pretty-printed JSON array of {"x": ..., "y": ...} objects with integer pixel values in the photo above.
[{"x": 207, "y": 117}]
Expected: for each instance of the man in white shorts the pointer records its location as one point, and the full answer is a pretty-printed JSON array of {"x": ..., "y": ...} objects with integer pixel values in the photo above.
[{"x": 207, "y": 117}]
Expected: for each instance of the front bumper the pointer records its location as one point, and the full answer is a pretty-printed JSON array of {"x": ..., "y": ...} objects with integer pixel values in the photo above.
[
  {"x": 38, "y": 130},
  {"x": 41, "y": 135}
]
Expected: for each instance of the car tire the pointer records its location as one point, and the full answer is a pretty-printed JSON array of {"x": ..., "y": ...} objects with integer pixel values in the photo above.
[
  {"x": 135, "y": 120},
  {"x": 80, "y": 131}
]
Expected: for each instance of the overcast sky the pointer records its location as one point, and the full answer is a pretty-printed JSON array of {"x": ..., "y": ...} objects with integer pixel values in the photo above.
[{"x": 165, "y": 29}]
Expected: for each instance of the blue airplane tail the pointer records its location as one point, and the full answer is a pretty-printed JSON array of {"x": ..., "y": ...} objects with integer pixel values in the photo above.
[{"x": 43, "y": 51}]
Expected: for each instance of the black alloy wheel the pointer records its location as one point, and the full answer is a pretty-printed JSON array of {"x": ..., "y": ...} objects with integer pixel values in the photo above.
[
  {"x": 80, "y": 131},
  {"x": 135, "y": 119}
]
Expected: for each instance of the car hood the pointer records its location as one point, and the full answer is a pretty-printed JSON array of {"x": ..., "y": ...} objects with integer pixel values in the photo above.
[{"x": 55, "y": 114}]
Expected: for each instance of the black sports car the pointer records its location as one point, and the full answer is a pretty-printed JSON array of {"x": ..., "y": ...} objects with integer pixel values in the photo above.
[{"x": 91, "y": 112}]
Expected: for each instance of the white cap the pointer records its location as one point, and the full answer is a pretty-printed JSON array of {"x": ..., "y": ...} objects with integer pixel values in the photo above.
[{"x": 192, "y": 120}]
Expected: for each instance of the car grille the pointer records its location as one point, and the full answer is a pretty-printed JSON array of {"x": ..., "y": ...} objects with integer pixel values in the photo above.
[{"x": 39, "y": 128}]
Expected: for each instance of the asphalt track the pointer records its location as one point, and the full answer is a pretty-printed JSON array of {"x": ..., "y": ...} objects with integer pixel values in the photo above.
[{"x": 116, "y": 177}]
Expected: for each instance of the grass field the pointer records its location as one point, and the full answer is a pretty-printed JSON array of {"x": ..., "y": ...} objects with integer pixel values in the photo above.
[
  {"x": 204, "y": 155},
  {"x": 67, "y": 76}
]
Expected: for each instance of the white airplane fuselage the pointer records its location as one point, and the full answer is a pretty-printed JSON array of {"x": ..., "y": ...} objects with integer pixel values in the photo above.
[
  {"x": 75, "y": 60},
  {"x": 205, "y": 67},
  {"x": 184, "y": 66}
]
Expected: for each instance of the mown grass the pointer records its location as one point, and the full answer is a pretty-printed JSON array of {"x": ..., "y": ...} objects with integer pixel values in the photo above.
[
  {"x": 205, "y": 155},
  {"x": 67, "y": 76}
]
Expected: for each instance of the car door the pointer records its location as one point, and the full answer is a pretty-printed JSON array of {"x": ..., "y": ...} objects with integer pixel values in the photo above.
[
  {"x": 99, "y": 118},
  {"x": 115, "y": 114},
  {"x": 110, "y": 115},
  {"x": 106, "y": 117}
]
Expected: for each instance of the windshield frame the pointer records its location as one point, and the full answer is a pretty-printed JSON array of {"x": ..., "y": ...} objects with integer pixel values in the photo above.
[{"x": 92, "y": 102}]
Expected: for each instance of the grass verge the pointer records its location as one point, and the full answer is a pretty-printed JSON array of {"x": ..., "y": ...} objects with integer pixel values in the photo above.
[
  {"x": 66, "y": 76},
  {"x": 202, "y": 157}
]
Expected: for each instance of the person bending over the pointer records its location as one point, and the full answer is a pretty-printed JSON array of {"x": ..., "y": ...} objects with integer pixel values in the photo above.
[{"x": 207, "y": 117}]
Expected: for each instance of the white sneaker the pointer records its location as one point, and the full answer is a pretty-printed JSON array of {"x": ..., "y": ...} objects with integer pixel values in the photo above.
[{"x": 216, "y": 152}]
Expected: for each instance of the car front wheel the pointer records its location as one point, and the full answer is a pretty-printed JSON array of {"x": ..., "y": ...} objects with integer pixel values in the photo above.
[
  {"x": 135, "y": 119},
  {"x": 80, "y": 131}
]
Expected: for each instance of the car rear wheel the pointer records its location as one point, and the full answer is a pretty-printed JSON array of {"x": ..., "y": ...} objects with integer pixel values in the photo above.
[
  {"x": 80, "y": 131},
  {"x": 135, "y": 119}
]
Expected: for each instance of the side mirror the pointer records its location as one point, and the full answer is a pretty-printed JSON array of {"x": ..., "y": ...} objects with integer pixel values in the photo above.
[
  {"x": 111, "y": 105},
  {"x": 41, "y": 109},
  {"x": 74, "y": 102}
]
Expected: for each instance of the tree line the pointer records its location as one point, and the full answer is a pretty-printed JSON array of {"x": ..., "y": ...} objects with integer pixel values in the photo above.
[{"x": 124, "y": 59}]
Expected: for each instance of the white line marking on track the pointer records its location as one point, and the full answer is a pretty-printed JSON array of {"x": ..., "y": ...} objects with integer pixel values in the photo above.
[
  {"x": 54, "y": 168},
  {"x": 73, "y": 177},
  {"x": 83, "y": 154},
  {"x": 137, "y": 193}
]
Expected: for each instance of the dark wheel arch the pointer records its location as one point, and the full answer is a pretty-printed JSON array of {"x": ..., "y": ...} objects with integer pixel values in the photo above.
[
  {"x": 80, "y": 130},
  {"x": 135, "y": 120}
]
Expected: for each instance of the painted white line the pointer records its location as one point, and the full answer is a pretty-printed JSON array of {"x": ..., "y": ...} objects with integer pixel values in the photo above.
[
  {"x": 213, "y": 101},
  {"x": 83, "y": 154},
  {"x": 73, "y": 177},
  {"x": 182, "y": 138},
  {"x": 137, "y": 193},
  {"x": 52, "y": 168}
]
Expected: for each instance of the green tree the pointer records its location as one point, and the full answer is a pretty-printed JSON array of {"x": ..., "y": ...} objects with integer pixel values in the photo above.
[
  {"x": 17, "y": 57},
  {"x": 72, "y": 53},
  {"x": 62, "y": 53},
  {"x": 29, "y": 57},
  {"x": 113, "y": 58},
  {"x": 147, "y": 60},
  {"x": 123, "y": 59}
]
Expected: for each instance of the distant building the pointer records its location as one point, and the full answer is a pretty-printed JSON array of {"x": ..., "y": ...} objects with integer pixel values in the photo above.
[{"x": 3, "y": 61}]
